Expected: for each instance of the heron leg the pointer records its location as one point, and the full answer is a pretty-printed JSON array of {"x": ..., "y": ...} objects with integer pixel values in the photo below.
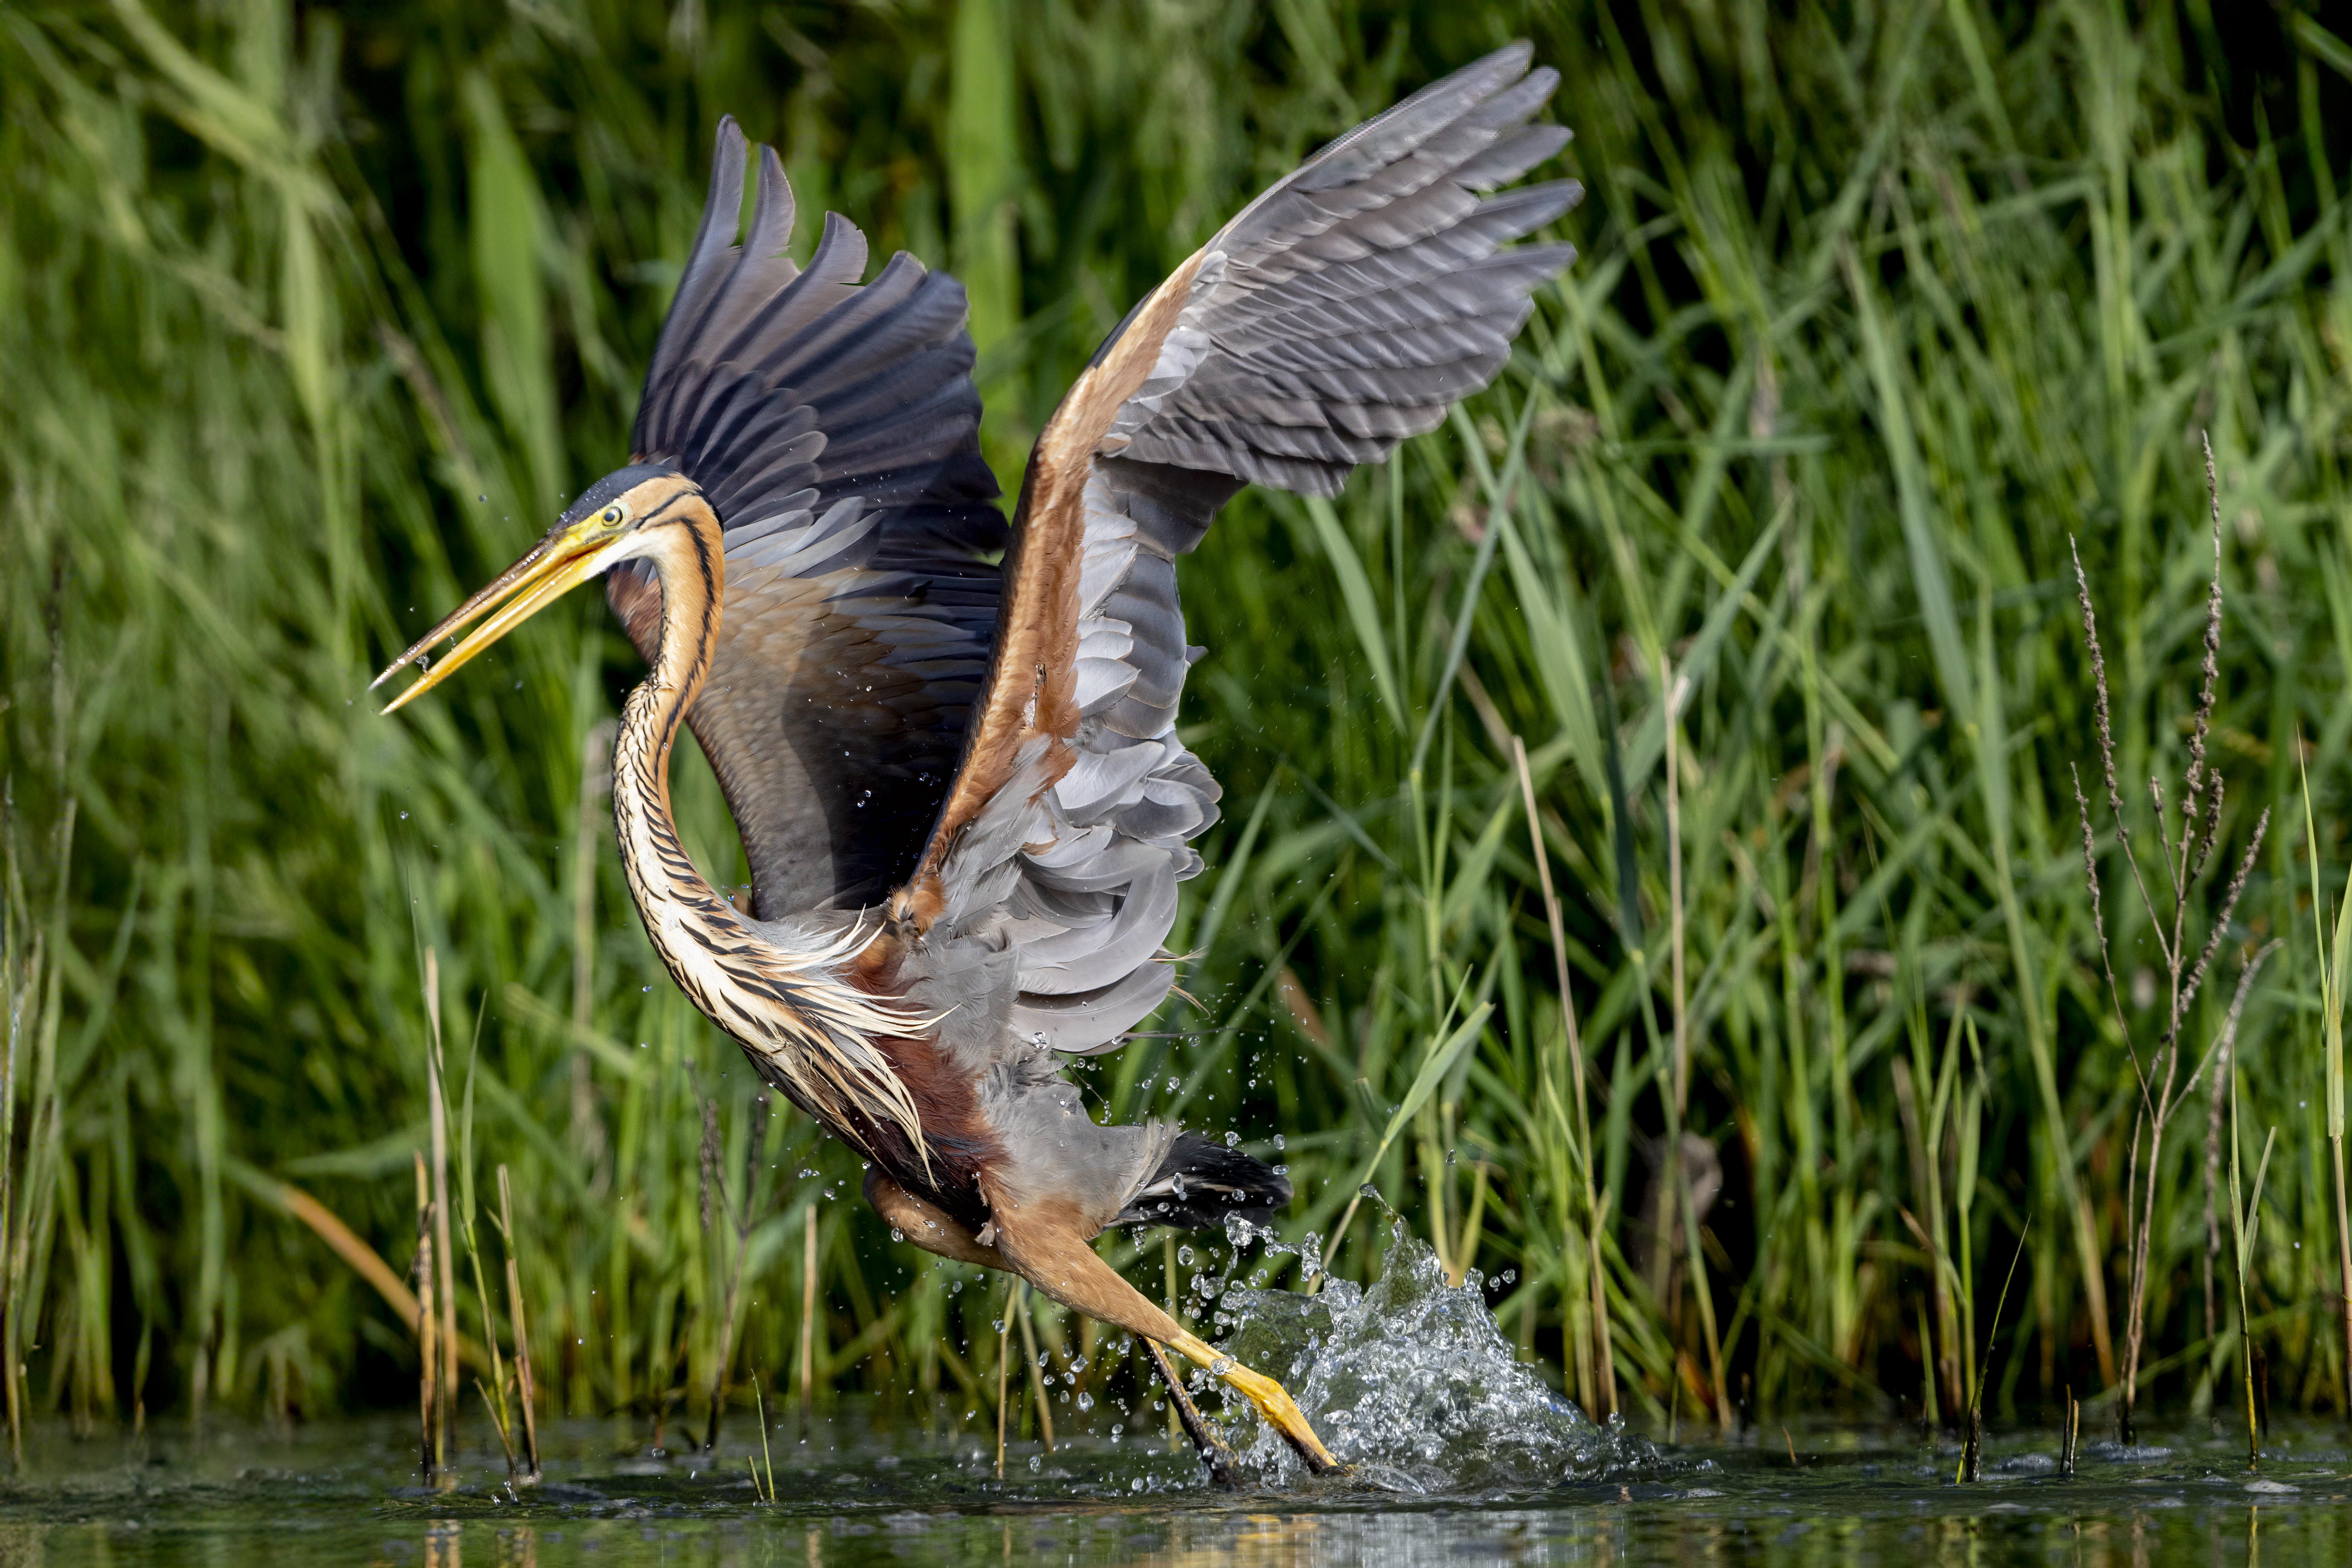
[
  {"x": 932, "y": 1228},
  {"x": 1213, "y": 1452},
  {"x": 1046, "y": 1244}
]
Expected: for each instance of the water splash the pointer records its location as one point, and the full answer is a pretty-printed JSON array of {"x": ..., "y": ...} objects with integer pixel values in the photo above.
[{"x": 1411, "y": 1381}]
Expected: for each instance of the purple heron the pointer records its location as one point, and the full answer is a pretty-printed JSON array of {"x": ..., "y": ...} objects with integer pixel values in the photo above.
[{"x": 958, "y": 784}]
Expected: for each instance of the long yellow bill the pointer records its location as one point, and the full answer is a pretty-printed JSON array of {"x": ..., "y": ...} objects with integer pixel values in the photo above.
[{"x": 556, "y": 564}]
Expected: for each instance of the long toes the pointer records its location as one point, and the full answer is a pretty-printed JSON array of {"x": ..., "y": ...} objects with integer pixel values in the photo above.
[
  {"x": 1282, "y": 1412},
  {"x": 1273, "y": 1401}
]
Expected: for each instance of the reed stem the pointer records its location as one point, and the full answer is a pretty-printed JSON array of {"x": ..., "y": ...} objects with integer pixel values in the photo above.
[
  {"x": 428, "y": 1380},
  {"x": 526, "y": 1385},
  {"x": 438, "y": 1109},
  {"x": 1037, "y": 1390}
]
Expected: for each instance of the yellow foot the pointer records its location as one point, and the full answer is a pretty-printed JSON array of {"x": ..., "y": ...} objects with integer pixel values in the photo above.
[{"x": 1273, "y": 1401}]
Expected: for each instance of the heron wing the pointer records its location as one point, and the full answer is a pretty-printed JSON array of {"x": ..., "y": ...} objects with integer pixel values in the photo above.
[
  {"x": 833, "y": 424},
  {"x": 1343, "y": 310}
]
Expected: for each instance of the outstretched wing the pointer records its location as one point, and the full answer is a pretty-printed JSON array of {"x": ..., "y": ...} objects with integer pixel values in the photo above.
[
  {"x": 834, "y": 427},
  {"x": 1343, "y": 310}
]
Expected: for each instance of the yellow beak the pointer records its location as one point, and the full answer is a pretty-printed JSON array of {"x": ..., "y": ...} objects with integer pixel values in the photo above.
[{"x": 556, "y": 564}]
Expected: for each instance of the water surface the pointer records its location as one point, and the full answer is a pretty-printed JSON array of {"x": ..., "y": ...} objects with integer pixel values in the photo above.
[
  {"x": 1457, "y": 1454},
  {"x": 347, "y": 1494}
]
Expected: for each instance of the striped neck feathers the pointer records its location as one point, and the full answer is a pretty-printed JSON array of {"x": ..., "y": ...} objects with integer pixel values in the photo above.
[{"x": 790, "y": 1009}]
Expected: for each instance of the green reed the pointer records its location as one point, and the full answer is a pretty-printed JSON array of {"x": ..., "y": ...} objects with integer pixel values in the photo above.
[{"x": 1738, "y": 617}]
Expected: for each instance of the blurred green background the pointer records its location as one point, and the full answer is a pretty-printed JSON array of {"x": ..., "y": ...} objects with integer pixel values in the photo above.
[{"x": 311, "y": 315}]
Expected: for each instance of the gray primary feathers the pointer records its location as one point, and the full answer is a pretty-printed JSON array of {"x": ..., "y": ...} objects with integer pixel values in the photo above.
[
  {"x": 1343, "y": 310},
  {"x": 1350, "y": 305}
]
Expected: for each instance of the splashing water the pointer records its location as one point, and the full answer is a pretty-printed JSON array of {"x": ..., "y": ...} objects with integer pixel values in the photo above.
[{"x": 1411, "y": 1381}]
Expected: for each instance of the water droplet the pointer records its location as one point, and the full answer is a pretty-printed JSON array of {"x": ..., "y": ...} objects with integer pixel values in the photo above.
[
  {"x": 897, "y": 1234},
  {"x": 1184, "y": 1256},
  {"x": 1233, "y": 1140},
  {"x": 1222, "y": 1365}
]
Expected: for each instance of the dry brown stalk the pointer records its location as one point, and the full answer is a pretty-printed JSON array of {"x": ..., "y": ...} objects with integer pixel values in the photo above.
[{"x": 808, "y": 1316}]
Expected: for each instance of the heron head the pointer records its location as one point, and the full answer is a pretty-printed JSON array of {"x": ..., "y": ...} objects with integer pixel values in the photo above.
[{"x": 617, "y": 518}]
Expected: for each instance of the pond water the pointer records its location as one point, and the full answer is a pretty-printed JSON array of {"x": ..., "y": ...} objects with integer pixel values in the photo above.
[
  {"x": 1458, "y": 1455},
  {"x": 347, "y": 1495}
]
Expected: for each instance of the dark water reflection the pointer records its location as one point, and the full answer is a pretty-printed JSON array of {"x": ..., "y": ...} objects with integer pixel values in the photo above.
[{"x": 347, "y": 1495}]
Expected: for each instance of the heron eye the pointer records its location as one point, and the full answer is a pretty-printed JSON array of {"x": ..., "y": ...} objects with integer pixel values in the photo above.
[{"x": 612, "y": 515}]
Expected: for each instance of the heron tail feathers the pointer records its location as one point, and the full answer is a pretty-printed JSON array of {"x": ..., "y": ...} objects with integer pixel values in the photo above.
[{"x": 1201, "y": 1182}]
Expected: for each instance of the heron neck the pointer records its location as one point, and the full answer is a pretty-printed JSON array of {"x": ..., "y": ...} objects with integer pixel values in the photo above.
[
  {"x": 690, "y": 562},
  {"x": 810, "y": 1032}
]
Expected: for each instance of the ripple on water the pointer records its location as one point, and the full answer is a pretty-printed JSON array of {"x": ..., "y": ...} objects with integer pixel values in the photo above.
[{"x": 1412, "y": 1381}]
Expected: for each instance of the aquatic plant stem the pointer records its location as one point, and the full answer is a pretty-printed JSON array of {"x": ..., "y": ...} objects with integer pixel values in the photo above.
[
  {"x": 1672, "y": 689},
  {"x": 760, "y": 1404},
  {"x": 1601, "y": 1398},
  {"x": 428, "y": 1379},
  {"x": 2343, "y": 1262},
  {"x": 494, "y": 1392},
  {"x": 1466, "y": 1250},
  {"x": 2245, "y": 1226},
  {"x": 526, "y": 1385},
  {"x": 1972, "y": 1449},
  {"x": 1037, "y": 1390},
  {"x": 437, "y": 1109},
  {"x": 2333, "y": 960},
  {"x": 2157, "y": 1079},
  {"x": 20, "y": 997}
]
